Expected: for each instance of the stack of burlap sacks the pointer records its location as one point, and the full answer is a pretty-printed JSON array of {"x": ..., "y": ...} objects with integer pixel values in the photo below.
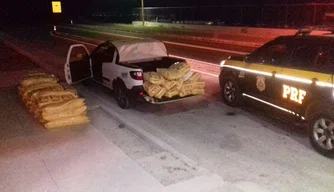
[
  {"x": 177, "y": 80},
  {"x": 52, "y": 104}
]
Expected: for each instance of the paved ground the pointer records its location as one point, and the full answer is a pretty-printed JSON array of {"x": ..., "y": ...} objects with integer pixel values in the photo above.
[
  {"x": 86, "y": 158},
  {"x": 207, "y": 32},
  {"x": 246, "y": 147},
  {"x": 214, "y": 56},
  {"x": 102, "y": 156},
  {"x": 13, "y": 66}
]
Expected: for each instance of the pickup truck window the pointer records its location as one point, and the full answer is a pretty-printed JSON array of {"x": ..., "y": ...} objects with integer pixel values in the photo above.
[
  {"x": 304, "y": 56},
  {"x": 77, "y": 54},
  {"x": 104, "y": 53}
]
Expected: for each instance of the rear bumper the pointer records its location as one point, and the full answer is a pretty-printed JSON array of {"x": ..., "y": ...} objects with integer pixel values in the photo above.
[
  {"x": 165, "y": 100},
  {"x": 135, "y": 95}
]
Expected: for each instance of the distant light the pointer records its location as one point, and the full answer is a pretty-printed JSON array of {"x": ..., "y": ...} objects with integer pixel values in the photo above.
[
  {"x": 56, "y": 7},
  {"x": 54, "y": 28},
  {"x": 71, "y": 21}
]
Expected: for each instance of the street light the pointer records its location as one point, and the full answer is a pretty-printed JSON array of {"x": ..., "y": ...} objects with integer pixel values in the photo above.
[{"x": 142, "y": 12}]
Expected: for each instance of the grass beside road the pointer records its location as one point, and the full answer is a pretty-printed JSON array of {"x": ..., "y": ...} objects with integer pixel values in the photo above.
[
  {"x": 89, "y": 34},
  {"x": 143, "y": 29},
  {"x": 148, "y": 31}
]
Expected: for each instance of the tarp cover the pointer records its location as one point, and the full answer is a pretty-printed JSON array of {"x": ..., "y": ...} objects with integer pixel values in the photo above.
[{"x": 140, "y": 49}]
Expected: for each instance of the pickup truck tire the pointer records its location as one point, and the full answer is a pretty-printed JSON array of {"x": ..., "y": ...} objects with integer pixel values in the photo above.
[
  {"x": 321, "y": 132},
  {"x": 230, "y": 91},
  {"x": 121, "y": 96}
]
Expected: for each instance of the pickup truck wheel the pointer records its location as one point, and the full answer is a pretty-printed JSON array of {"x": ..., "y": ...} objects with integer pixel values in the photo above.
[
  {"x": 122, "y": 97},
  {"x": 230, "y": 91},
  {"x": 321, "y": 133}
]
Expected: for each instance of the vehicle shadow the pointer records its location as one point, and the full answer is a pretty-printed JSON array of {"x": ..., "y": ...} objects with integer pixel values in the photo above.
[
  {"x": 270, "y": 118},
  {"x": 189, "y": 104},
  {"x": 277, "y": 121}
]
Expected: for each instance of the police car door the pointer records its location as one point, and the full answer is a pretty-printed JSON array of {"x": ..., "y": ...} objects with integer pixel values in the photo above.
[
  {"x": 307, "y": 78},
  {"x": 263, "y": 65}
]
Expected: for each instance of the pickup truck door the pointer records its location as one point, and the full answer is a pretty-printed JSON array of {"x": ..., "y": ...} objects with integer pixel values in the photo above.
[{"x": 78, "y": 65}]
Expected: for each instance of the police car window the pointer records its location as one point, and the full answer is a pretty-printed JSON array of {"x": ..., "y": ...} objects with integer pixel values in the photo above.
[
  {"x": 304, "y": 56},
  {"x": 325, "y": 59},
  {"x": 270, "y": 54}
]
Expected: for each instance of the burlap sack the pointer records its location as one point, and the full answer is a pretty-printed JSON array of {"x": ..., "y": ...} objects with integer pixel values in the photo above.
[
  {"x": 70, "y": 112},
  {"x": 194, "y": 77},
  {"x": 64, "y": 106},
  {"x": 153, "y": 89},
  {"x": 187, "y": 86},
  {"x": 197, "y": 91},
  {"x": 169, "y": 84},
  {"x": 47, "y": 97},
  {"x": 51, "y": 98},
  {"x": 146, "y": 85},
  {"x": 184, "y": 93},
  {"x": 161, "y": 93},
  {"x": 179, "y": 84},
  {"x": 198, "y": 84},
  {"x": 154, "y": 78},
  {"x": 180, "y": 66},
  {"x": 81, "y": 119},
  {"x": 40, "y": 87},
  {"x": 33, "y": 81},
  {"x": 171, "y": 74},
  {"x": 171, "y": 93}
]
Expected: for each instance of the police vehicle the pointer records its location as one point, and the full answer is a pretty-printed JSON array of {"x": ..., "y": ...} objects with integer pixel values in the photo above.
[{"x": 293, "y": 74}]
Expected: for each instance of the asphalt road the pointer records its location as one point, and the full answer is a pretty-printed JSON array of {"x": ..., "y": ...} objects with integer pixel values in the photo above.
[
  {"x": 244, "y": 145},
  {"x": 219, "y": 53}
]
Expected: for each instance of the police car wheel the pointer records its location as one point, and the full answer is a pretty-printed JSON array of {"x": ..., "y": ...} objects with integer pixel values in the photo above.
[
  {"x": 230, "y": 91},
  {"x": 321, "y": 134}
]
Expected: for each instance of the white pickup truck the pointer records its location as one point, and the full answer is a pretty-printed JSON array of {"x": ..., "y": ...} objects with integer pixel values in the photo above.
[{"x": 119, "y": 65}]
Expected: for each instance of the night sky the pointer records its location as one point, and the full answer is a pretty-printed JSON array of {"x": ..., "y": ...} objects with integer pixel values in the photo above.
[{"x": 25, "y": 11}]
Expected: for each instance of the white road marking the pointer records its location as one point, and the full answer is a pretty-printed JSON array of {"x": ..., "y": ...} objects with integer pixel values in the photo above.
[
  {"x": 206, "y": 48},
  {"x": 207, "y": 73},
  {"x": 198, "y": 61},
  {"x": 167, "y": 42},
  {"x": 74, "y": 40}
]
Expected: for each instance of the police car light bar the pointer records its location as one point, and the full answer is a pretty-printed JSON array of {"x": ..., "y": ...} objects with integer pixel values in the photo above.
[
  {"x": 303, "y": 32},
  {"x": 307, "y": 30}
]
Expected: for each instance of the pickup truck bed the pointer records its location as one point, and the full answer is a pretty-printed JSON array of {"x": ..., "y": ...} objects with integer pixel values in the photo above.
[{"x": 152, "y": 65}]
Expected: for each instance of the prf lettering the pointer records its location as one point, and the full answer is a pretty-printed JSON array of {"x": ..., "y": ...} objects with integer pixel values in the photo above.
[{"x": 294, "y": 94}]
